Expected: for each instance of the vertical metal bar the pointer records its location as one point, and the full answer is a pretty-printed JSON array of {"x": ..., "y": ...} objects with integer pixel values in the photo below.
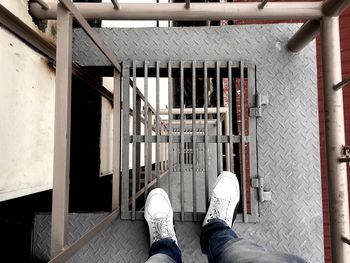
[
  {"x": 138, "y": 144},
  {"x": 60, "y": 195},
  {"x": 116, "y": 142},
  {"x": 230, "y": 115},
  {"x": 194, "y": 136},
  {"x": 244, "y": 182},
  {"x": 134, "y": 123},
  {"x": 161, "y": 150},
  {"x": 145, "y": 115},
  {"x": 170, "y": 118},
  {"x": 253, "y": 168},
  {"x": 335, "y": 140},
  {"x": 150, "y": 147},
  {"x": 157, "y": 123},
  {"x": 182, "y": 140},
  {"x": 206, "y": 131},
  {"x": 218, "y": 121},
  {"x": 125, "y": 144}
]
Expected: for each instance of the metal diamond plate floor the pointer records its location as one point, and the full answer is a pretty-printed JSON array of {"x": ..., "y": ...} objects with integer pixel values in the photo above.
[{"x": 288, "y": 138}]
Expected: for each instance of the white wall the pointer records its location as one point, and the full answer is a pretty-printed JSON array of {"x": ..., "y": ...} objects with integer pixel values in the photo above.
[{"x": 26, "y": 111}]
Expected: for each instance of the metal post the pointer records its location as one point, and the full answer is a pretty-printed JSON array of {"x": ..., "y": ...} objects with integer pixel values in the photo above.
[
  {"x": 116, "y": 142},
  {"x": 335, "y": 139},
  {"x": 60, "y": 195}
]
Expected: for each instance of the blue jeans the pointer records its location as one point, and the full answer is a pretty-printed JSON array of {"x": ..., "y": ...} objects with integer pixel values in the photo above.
[{"x": 222, "y": 245}]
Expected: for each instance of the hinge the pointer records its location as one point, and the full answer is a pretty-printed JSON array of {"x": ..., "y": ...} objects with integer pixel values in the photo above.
[
  {"x": 264, "y": 195},
  {"x": 260, "y": 101}
]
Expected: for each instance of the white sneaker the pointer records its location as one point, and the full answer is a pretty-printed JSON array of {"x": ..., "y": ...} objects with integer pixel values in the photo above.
[
  {"x": 224, "y": 199},
  {"x": 159, "y": 216}
]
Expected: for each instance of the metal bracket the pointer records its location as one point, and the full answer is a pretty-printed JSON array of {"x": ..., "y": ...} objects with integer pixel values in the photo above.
[
  {"x": 260, "y": 101},
  {"x": 264, "y": 195},
  {"x": 345, "y": 152}
]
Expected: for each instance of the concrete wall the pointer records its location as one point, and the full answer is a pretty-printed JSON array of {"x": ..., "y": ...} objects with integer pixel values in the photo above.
[{"x": 26, "y": 111}]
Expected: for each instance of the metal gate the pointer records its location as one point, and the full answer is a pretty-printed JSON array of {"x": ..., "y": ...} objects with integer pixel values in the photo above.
[{"x": 183, "y": 148}]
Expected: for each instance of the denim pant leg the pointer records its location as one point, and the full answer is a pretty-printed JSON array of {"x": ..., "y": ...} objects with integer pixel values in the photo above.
[
  {"x": 165, "y": 251},
  {"x": 222, "y": 245}
]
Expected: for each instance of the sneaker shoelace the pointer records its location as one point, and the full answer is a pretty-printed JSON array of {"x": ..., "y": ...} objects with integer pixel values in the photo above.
[
  {"x": 220, "y": 209},
  {"x": 161, "y": 229}
]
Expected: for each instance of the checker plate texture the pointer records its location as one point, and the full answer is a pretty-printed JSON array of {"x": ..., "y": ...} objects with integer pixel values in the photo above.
[{"x": 288, "y": 134}]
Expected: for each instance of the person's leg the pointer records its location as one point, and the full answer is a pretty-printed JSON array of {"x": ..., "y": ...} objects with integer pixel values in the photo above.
[
  {"x": 159, "y": 217},
  {"x": 220, "y": 242}
]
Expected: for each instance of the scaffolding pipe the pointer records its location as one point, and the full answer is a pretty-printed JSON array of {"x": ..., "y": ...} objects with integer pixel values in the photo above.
[
  {"x": 335, "y": 140},
  {"x": 304, "y": 35},
  {"x": 178, "y": 11},
  {"x": 310, "y": 29},
  {"x": 335, "y": 7}
]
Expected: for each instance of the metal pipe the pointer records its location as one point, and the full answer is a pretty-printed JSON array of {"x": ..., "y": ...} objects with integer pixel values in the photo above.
[
  {"x": 335, "y": 139},
  {"x": 42, "y": 3},
  {"x": 311, "y": 28},
  {"x": 304, "y": 35},
  {"x": 198, "y": 11},
  {"x": 188, "y": 4},
  {"x": 262, "y": 4},
  {"x": 335, "y": 7},
  {"x": 116, "y": 4},
  {"x": 342, "y": 84}
]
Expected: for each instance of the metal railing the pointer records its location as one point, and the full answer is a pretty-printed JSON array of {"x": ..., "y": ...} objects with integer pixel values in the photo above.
[{"x": 60, "y": 250}]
